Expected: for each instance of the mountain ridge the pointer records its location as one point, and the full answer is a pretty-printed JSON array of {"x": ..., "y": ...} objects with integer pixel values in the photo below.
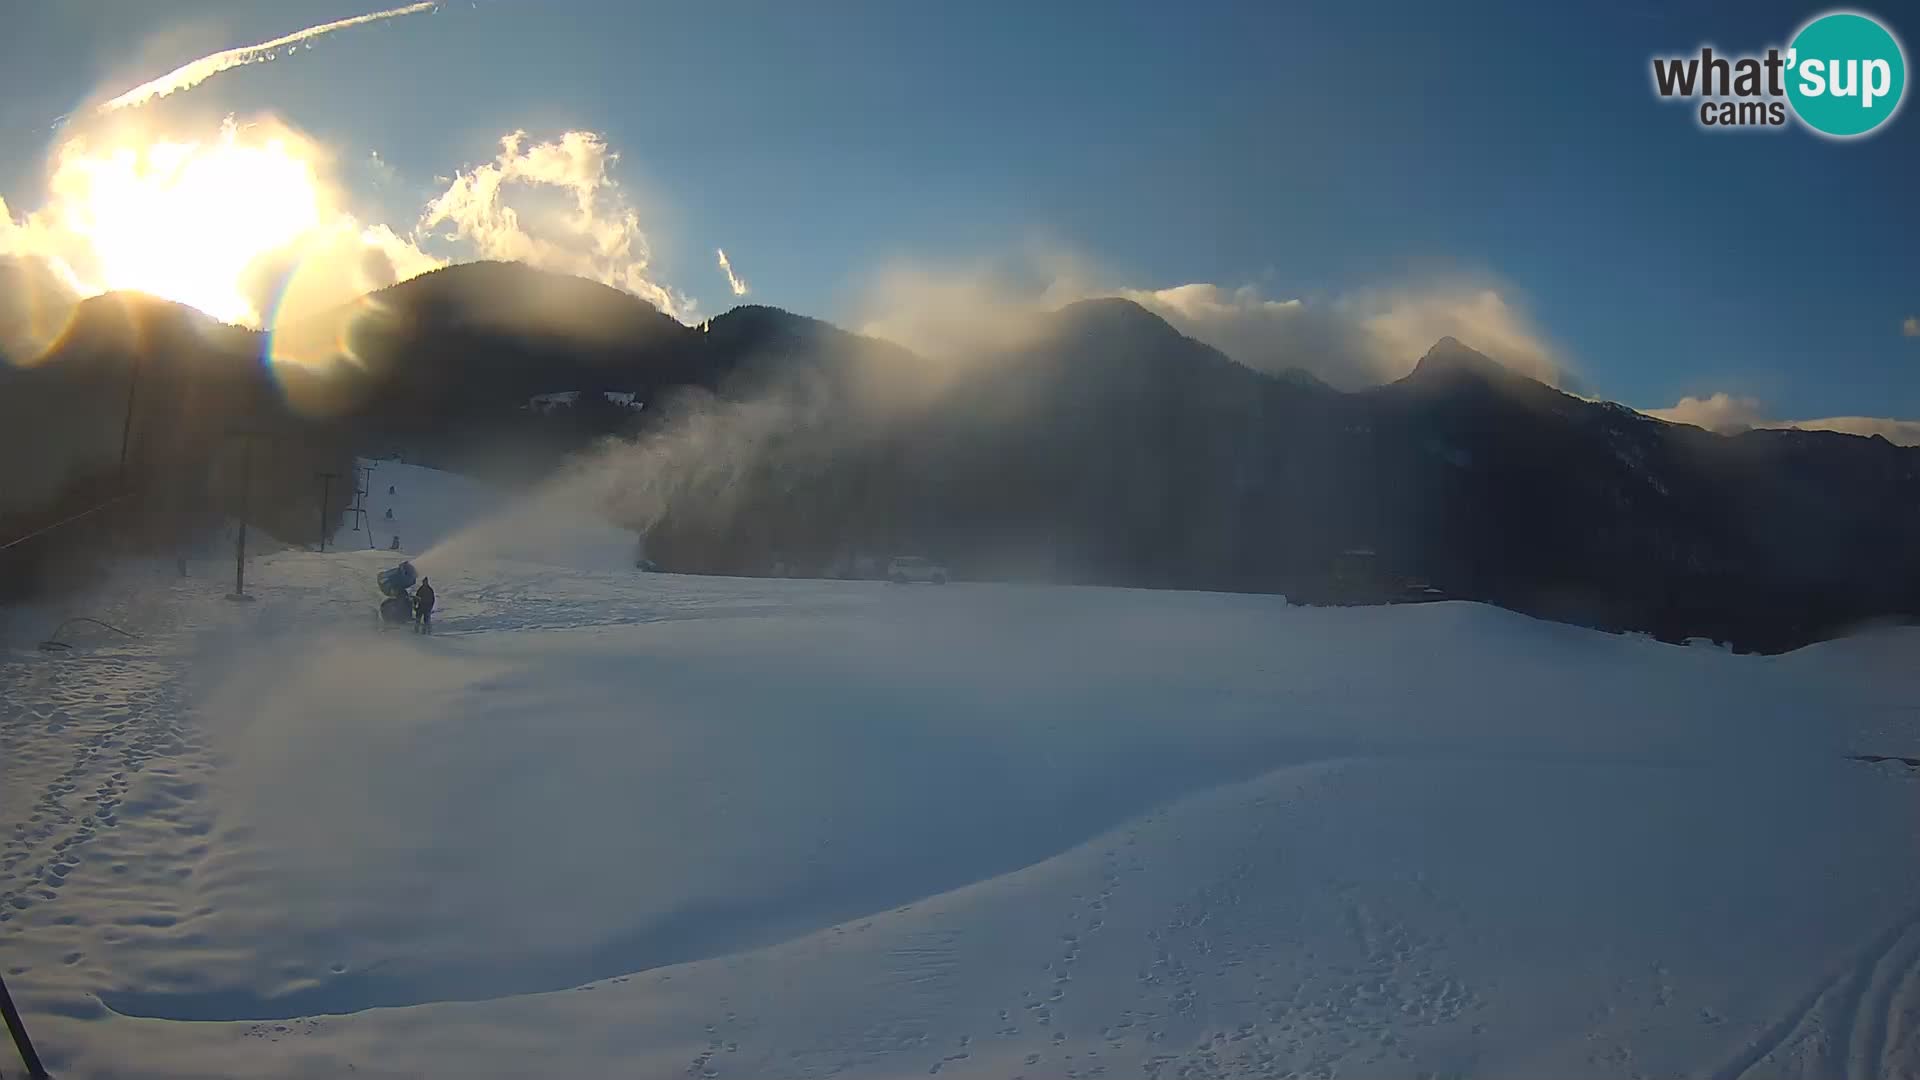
[
  {"x": 1447, "y": 357},
  {"x": 1107, "y": 448}
]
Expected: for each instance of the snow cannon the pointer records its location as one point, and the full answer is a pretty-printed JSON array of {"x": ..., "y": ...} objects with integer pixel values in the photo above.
[
  {"x": 396, "y": 611},
  {"x": 397, "y": 582},
  {"x": 396, "y": 590}
]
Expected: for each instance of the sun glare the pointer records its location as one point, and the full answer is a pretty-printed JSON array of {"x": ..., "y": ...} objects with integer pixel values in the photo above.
[{"x": 188, "y": 220}]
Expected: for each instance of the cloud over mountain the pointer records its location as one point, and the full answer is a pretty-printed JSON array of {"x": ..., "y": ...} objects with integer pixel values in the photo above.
[
  {"x": 1731, "y": 414},
  {"x": 252, "y": 219},
  {"x": 1360, "y": 339},
  {"x": 505, "y": 209},
  {"x": 1363, "y": 338}
]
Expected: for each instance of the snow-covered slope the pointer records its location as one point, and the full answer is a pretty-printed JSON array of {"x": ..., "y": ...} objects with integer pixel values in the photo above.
[
  {"x": 617, "y": 824},
  {"x": 419, "y": 511}
]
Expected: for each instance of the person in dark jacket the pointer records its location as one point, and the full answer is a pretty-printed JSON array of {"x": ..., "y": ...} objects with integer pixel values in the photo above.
[{"x": 423, "y": 607}]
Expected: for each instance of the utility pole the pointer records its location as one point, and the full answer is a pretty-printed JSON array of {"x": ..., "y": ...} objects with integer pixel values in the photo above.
[
  {"x": 240, "y": 534},
  {"x": 360, "y": 504},
  {"x": 126, "y": 425},
  {"x": 356, "y": 511},
  {"x": 239, "y": 592},
  {"x": 326, "y": 486}
]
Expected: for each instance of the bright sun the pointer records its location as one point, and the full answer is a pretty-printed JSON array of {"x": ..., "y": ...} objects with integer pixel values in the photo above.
[{"x": 187, "y": 220}]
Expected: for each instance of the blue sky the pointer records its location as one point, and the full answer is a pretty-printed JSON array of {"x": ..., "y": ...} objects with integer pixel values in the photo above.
[{"x": 1314, "y": 150}]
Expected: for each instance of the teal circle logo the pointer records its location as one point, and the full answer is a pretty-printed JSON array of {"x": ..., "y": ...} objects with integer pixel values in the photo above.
[{"x": 1846, "y": 74}]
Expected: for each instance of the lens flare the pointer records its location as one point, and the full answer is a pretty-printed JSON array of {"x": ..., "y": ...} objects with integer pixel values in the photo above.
[
  {"x": 243, "y": 221},
  {"x": 186, "y": 220},
  {"x": 37, "y": 306}
]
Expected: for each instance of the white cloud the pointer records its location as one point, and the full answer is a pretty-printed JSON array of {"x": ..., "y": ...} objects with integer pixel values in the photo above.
[
  {"x": 1729, "y": 414},
  {"x": 254, "y": 222},
  {"x": 37, "y": 235},
  {"x": 1406, "y": 322},
  {"x": 734, "y": 281},
  {"x": 1360, "y": 339},
  {"x": 963, "y": 310},
  {"x": 1721, "y": 412},
  {"x": 1898, "y": 432},
  {"x": 192, "y": 74},
  {"x": 1270, "y": 334},
  {"x": 1911, "y": 327},
  {"x": 507, "y": 209}
]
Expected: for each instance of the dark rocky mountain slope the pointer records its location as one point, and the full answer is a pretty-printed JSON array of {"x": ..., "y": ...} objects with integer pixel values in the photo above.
[{"x": 1106, "y": 448}]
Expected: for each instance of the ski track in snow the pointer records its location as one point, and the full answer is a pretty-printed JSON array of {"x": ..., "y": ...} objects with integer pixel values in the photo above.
[
  {"x": 1862, "y": 1024},
  {"x": 1477, "y": 893}
]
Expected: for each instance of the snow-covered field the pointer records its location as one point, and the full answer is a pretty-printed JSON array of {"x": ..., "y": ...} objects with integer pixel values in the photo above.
[{"x": 606, "y": 823}]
